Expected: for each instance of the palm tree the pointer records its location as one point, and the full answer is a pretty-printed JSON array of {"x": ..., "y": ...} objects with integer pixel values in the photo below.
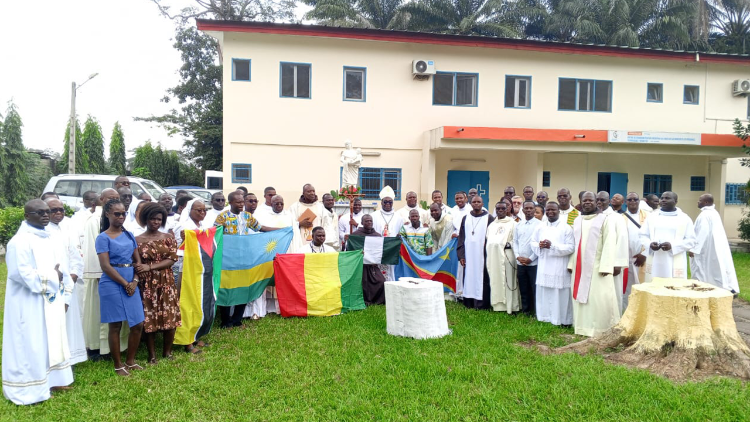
[
  {"x": 373, "y": 14},
  {"x": 732, "y": 25},
  {"x": 469, "y": 17}
]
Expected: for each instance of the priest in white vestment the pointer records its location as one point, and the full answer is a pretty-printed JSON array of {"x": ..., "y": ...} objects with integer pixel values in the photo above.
[
  {"x": 387, "y": 223},
  {"x": 553, "y": 242},
  {"x": 437, "y": 198},
  {"x": 309, "y": 205},
  {"x": 330, "y": 222},
  {"x": 94, "y": 332},
  {"x": 501, "y": 262},
  {"x": 72, "y": 264},
  {"x": 318, "y": 244},
  {"x": 472, "y": 239},
  {"x": 278, "y": 218},
  {"x": 595, "y": 306},
  {"x": 441, "y": 227},
  {"x": 345, "y": 222},
  {"x": 35, "y": 356},
  {"x": 634, "y": 219},
  {"x": 412, "y": 204},
  {"x": 622, "y": 254},
  {"x": 460, "y": 209},
  {"x": 711, "y": 257},
  {"x": 667, "y": 235}
]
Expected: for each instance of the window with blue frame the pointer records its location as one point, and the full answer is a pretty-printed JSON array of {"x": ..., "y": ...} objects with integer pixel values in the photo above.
[
  {"x": 355, "y": 82},
  {"x": 242, "y": 173},
  {"x": 697, "y": 183},
  {"x": 691, "y": 94},
  {"x": 656, "y": 184},
  {"x": 373, "y": 179},
  {"x": 654, "y": 93},
  {"x": 241, "y": 70},
  {"x": 295, "y": 80},
  {"x": 584, "y": 95},
  {"x": 736, "y": 194},
  {"x": 454, "y": 89},
  {"x": 518, "y": 91},
  {"x": 546, "y": 179}
]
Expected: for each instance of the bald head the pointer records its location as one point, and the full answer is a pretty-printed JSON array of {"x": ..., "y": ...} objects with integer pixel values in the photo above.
[
  {"x": 588, "y": 203},
  {"x": 705, "y": 200}
]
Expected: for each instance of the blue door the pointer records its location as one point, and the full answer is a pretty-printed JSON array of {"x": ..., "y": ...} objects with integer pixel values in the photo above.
[
  {"x": 461, "y": 180},
  {"x": 613, "y": 183}
]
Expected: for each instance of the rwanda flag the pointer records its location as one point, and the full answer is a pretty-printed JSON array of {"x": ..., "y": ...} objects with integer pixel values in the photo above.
[
  {"x": 247, "y": 265},
  {"x": 197, "y": 294},
  {"x": 319, "y": 284},
  {"x": 441, "y": 266}
]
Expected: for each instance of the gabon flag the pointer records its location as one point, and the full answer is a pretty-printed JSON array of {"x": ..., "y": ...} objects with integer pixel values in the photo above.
[{"x": 319, "y": 284}]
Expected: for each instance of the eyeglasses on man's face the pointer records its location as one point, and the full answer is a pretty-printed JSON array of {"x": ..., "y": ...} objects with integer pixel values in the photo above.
[
  {"x": 41, "y": 212},
  {"x": 56, "y": 210}
]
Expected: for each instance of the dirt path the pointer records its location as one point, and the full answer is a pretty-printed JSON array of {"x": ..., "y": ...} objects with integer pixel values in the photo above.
[{"x": 741, "y": 311}]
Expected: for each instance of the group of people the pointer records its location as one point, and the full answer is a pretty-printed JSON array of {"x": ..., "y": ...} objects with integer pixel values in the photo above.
[{"x": 72, "y": 282}]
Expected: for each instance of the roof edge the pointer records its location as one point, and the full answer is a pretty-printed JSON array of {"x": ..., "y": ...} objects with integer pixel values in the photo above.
[{"x": 467, "y": 41}]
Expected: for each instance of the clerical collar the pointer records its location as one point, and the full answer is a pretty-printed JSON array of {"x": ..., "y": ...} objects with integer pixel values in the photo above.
[
  {"x": 668, "y": 213},
  {"x": 384, "y": 212},
  {"x": 709, "y": 207},
  {"x": 481, "y": 213}
]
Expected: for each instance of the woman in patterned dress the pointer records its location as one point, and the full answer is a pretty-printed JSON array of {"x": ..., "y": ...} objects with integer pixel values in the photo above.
[{"x": 161, "y": 304}]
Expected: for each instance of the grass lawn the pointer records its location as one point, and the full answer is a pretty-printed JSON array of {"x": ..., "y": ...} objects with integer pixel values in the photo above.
[
  {"x": 742, "y": 266},
  {"x": 348, "y": 368}
]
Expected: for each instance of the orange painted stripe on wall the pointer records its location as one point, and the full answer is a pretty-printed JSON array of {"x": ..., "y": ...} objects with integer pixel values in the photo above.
[
  {"x": 720, "y": 140},
  {"x": 522, "y": 134}
]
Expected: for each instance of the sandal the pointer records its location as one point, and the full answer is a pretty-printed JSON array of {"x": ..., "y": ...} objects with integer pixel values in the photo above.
[
  {"x": 201, "y": 343},
  {"x": 126, "y": 373},
  {"x": 152, "y": 361},
  {"x": 134, "y": 367},
  {"x": 193, "y": 350},
  {"x": 168, "y": 357}
]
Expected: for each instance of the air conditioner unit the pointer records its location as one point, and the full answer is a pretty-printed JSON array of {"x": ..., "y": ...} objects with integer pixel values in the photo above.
[
  {"x": 741, "y": 87},
  {"x": 421, "y": 67}
]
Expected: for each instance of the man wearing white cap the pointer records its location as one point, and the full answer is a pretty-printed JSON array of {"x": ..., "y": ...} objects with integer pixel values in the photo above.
[{"x": 387, "y": 223}]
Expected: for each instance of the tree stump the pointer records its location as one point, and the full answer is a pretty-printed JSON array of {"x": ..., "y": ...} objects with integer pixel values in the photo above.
[{"x": 681, "y": 329}]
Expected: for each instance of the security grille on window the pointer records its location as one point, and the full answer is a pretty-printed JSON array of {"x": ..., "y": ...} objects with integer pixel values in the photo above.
[
  {"x": 295, "y": 80},
  {"x": 517, "y": 91},
  {"x": 736, "y": 194},
  {"x": 354, "y": 84},
  {"x": 240, "y": 70},
  {"x": 242, "y": 173},
  {"x": 656, "y": 184},
  {"x": 697, "y": 183},
  {"x": 654, "y": 93},
  {"x": 457, "y": 89},
  {"x": 372, "y": 180},
  {"x": 691, "y": 94},
  {"x": 585, "y": 95}
]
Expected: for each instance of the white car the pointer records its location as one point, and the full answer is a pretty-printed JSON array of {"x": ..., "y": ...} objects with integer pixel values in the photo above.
[{"x": 70, "y": 187}]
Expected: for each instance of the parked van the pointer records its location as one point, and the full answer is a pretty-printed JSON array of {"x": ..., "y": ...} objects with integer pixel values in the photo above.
[{"x": 70, "y": 187}]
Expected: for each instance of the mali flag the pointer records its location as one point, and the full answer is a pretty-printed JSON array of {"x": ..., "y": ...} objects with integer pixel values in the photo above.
[
  {"x": 247, "y": 265},
  {"x": 441, "y": 266},
  {"x": 198, "y": 294},
  {"x": 319, "y": 284}
]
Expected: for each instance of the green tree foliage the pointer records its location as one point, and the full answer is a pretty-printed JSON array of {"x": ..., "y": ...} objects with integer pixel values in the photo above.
[
  {"x": 166, "y": 168},
  {"x": 39, "y": 173},
  {"x": 743, "y": 132},
  {"x": 117, "y": 151},
  {"x": 501, "y": 18},
  {"x": 93, "y": 147},
  {"x": 81, "y": 161},
  {"x": 14, "y": 177},
  {"x": 371, "y": 14},
  {"x": 732, "y": 27}
]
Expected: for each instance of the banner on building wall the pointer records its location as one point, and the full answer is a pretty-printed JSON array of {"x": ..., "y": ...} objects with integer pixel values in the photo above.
[{"x": 666, "y": 138}]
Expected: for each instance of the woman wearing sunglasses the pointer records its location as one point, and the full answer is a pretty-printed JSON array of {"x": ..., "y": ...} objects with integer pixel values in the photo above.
[{"x": 119, "y": 297}]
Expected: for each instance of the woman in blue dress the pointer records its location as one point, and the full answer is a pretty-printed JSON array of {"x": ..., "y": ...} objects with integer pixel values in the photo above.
[{"x": 119, "y": 297}]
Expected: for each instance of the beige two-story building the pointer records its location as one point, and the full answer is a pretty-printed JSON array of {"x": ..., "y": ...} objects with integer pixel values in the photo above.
[{"x": 446, "y": 112}]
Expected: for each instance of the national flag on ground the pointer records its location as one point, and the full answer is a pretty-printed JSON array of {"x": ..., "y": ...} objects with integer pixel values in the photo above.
[
  {"x": 247, "y": 265},
  {"x": 319, "y": 284},
  {"x": 378, "y": 250},
  {"x": 441, "y": 266},
  {"x": 198, "y": 295}
]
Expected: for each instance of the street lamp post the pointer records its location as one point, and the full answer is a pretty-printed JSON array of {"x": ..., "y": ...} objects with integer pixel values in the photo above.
[{"x": 72, "y": 131}]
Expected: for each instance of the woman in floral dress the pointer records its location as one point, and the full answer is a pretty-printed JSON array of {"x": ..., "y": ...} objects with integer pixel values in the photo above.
[{"x": 161, "y": 304}]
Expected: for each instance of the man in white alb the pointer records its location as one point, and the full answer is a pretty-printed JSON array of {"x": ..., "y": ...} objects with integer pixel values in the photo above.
[
  {"x": 412, "y": 204},
  {"x": 667, "y": 235},
  {"x": 387, "y": 223},
  {"x": 711, "y": 258},
  {"x": 329, "y": 220},
  {"x": 622, "y": 254},
  {"x": 348, "y": 220},
  {"x": 472, "y": 239}
]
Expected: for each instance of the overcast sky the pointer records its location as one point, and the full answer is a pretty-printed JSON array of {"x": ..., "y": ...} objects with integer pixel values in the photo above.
[{"x": 47, "y": 44}]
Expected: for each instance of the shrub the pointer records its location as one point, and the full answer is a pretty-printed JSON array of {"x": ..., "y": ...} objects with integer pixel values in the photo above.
[{"x": 10, "y": 221}]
